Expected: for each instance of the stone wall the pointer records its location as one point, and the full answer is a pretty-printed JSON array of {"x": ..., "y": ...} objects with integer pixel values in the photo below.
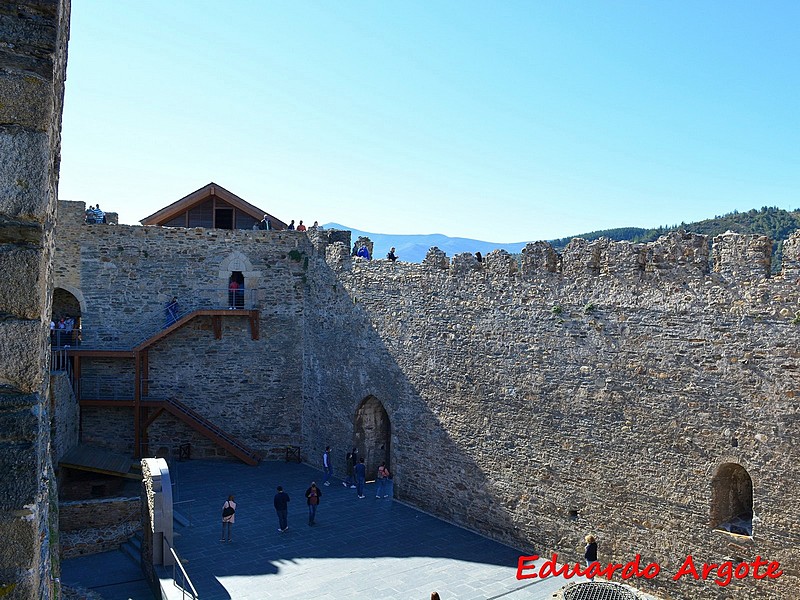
[
  {"x": 32, "y": 71},
  {"x": 597, "y": 391},
  {"x": 92, "y": 526},
  {"x": 65, "y": 416},
  {"x": 123, "y": 277}
]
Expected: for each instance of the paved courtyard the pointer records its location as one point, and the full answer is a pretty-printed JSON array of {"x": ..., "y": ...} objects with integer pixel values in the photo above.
[{"x": 359, "y": 548}]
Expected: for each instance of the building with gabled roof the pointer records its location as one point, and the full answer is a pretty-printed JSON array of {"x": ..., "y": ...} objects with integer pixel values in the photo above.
[{"x": 213, "y": 207}]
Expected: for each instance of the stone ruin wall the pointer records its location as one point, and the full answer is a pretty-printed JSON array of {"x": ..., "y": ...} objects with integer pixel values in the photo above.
[
  {"x": 99, "y": 525},
  {"x": 65, "y": 414},
  {"x": 32, "y": 71},
  {"x": 611, "y": 380},
  {"x": 125, "y": 275}
]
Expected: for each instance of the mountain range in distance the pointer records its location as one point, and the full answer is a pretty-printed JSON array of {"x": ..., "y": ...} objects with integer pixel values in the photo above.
[
  {"x": 413, "y": 248},
  {"x": 775, "y": 223}
]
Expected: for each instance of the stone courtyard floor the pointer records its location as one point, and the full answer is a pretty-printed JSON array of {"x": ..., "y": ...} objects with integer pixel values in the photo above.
[{"x": 359, "y": 548}]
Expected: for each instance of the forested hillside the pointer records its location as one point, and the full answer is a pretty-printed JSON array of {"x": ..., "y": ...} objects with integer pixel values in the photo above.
[{"x": 775, "y": 223}]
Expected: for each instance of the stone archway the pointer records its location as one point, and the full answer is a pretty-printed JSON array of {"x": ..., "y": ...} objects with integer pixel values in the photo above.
[
  {"x": 732, "y": 500},
  {"x": 373, "y": 433},
  {"x": 68, "y": 306}
]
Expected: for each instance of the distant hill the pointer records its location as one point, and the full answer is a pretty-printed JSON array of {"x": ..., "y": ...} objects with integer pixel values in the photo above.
[
  {"x": 776, "y": 223},
  {"x": 413, "y": 248}
]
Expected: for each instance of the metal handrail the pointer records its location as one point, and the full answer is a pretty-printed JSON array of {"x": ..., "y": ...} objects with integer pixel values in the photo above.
[
  {"x": 103, "y": 387},
  {"x": 177, "y": 562},
  {"x": 61, "y": 338}
]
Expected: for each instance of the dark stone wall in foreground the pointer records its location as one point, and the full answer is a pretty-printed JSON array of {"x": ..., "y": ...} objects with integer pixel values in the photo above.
[{"x": 33, "y": 56}]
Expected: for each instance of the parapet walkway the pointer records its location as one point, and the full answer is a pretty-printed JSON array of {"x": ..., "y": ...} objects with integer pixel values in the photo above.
[{"x": 372, "y": 549}]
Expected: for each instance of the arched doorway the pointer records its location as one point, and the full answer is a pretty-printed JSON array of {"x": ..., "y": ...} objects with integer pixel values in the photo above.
[
  {"x": 236, "y": 290},
  {"x": 732, "y": 500},
  {"x": 373, "y": 432},
  {"x": 66, "y": 318}
]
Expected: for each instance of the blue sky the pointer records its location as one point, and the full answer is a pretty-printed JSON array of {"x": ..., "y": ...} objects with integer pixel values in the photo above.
[{"x": 502, "y": 121}]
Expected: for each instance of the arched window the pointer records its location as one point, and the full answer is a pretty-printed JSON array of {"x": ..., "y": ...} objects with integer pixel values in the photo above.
[{"x": 732, "y": 500}]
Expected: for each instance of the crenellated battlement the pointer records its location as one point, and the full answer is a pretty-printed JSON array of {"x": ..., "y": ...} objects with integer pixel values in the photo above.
[{"x": 735, "y": 258}]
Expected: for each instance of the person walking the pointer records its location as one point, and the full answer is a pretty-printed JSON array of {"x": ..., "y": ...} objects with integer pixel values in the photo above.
[
  {"x": 327, "y": 467},
  {"x": 228, "y": 517},
  {"x": 361, "y": 477},
  {"x": 590, "y": 553},
  {"x": 383, "y": 480},
  {"x": 313, "y": 494},
  {"x": 281, "y": 502},
  {"x": 172, "y": 312}
]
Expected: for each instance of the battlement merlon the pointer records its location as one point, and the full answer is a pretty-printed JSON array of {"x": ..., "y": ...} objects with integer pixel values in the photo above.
[
  {"x": 741, "y": 257},
  {"x": 73, "y": 212}
]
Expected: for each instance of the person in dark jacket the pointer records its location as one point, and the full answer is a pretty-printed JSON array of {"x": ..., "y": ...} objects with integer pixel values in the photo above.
[
  {"x": 591, "y": 551},
  {"x": 391, "y": 255},
  {"x": 313, "y": 494},
  {"x": 361, "y": 477},
  {"x": 281, "y": 502}
]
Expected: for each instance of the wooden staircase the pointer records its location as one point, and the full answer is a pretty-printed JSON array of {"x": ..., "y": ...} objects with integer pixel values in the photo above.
[
  {"x": 141, "y": 403},
  {"x": 205, "y": 428}
]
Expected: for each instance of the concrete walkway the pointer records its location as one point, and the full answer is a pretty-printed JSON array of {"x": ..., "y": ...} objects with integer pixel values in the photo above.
[{"x": 360, "y": 548}]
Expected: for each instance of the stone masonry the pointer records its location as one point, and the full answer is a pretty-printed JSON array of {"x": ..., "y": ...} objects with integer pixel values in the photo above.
[
  {"x": 598, "y": 390},
  {"x": 595, "y": 391},
  {"x": 33, "y": 54}
]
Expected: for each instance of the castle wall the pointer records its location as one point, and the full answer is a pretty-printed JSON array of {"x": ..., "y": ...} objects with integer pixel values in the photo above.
[
  {"x": 66, "y": 415},
  {"x": 32, "y": 70},
  {"x": 92, "y": 526},
  {"x": 612, "y": 381},
  {"x": 125, "y": 275}
]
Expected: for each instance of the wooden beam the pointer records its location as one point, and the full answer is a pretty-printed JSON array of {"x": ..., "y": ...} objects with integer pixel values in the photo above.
[
  {"x": 101, "y": 353},
  {"x": 145, "y": 373},
  {"x": 137, "y": 415},
  {"x": 152, "y": 418},
  {"x": 108, "y": 402},
  {"x": 216, "y": 322},
  {"x": 254, "y": 324}
]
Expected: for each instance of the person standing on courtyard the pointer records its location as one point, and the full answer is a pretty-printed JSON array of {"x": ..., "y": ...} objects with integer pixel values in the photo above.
[
  {"x": 590, "y": 553},
  {"x": 228, "y": 517},
  {"x": 313, "y": 494},
  {"x": 350, "y": 481},
  {"x": 281, "y": 502},
  {"x": 361, "y": 477},
  {"x": 383, "y": 480},
  {"x": 327, "y": 467}
]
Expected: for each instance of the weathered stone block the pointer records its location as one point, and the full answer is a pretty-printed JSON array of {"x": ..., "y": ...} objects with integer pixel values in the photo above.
[
  {"x": 25, "y": 159},
  {"x": 25, "y": 276},
  {"x": 18, "y": 425},
  {"x": 26, "y": 101},
  {"x": 17, "y": 461},
  {"x": 22, "y": 343}
]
